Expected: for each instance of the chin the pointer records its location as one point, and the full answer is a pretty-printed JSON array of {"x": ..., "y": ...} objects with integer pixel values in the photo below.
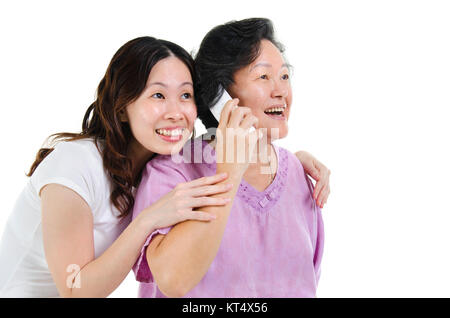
[
  {"x": 282, "y": 133},
  {"x": 171, "y": 149}
]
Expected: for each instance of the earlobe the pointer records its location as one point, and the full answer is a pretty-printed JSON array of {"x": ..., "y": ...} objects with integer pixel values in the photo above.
[
  {"x": 231, "y": 92},
  {"x": 123, "y": 116}
]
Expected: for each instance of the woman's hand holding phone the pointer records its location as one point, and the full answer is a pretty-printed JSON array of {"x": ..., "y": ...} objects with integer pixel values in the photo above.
[{"x": 236, "y": 141}]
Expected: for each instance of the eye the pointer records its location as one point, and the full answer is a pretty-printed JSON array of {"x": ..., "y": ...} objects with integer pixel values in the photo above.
[
  {"x": 158, "y": 96},
  {"x": 285, "y": 77},
  {"x": 264, "y": 76},
  {"x": 186, "y": 96}
]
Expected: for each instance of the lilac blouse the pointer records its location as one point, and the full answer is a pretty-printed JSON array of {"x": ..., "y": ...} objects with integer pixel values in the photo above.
[{"x": 273, "y": 242}]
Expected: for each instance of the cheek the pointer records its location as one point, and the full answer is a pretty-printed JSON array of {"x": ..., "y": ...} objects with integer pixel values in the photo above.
[
  {"x": 143, "y": 116},
  {"x": 289, "y": 97},
  {"x": 191, "y": 115},
  {"x": 254, "y": 97}
]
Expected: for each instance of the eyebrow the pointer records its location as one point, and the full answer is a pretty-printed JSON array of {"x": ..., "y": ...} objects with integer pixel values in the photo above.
[
  {"x": 264, "y": 64},
  {"x": 164, "y": 85}
]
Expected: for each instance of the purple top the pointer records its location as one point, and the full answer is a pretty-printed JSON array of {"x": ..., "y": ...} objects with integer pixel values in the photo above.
[{"x": 273, "y": 242}]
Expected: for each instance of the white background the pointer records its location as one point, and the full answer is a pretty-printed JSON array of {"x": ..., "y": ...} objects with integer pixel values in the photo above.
[{"x": 371, "y": 89}]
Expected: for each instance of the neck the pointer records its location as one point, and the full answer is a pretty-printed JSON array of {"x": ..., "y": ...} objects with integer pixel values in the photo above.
[{"x": 265, "y": 159}]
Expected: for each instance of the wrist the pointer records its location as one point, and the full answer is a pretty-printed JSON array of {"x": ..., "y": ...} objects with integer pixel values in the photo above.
[{"x": 145, "y": 223}]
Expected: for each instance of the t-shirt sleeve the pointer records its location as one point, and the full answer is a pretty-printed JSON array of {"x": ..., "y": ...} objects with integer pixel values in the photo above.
[
  {"x": 72, "y": 165},
  {"x": 159, "y": 177}
]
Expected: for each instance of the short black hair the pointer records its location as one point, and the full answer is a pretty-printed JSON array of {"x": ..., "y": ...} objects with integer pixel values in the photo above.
[{"x": 224, "y": 50}]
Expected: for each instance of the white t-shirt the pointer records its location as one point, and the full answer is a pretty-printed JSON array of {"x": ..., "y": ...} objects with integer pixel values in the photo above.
[{"x": 77, "y": 165}]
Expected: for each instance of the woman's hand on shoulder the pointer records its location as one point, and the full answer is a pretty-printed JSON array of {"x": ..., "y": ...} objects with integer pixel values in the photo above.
[
  {"x": 178, "y": 205},
  {"x": 320, "y": 173}
]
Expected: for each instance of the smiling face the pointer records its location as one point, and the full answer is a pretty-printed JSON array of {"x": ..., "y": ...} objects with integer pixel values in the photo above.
[
  {"x": 264, "y": 86},
  {"x": 162, "y": 117}
]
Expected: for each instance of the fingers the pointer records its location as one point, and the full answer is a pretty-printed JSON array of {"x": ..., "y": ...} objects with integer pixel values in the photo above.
[
  {"x": 323, "y": 196},
  {"x": 226, "y": 112},
  {"x": 249, "y": 121},
  {"x": 205, "y": 181},
  {"x": 207, "y": 201},
  {"x": 317, "y": 190},
  {"x": 311, "y": 170},
  {"x": 199, "y": 216},
  {"x": 257, "y": 133},
  {"x": 237, "y": 116},
  {"x": 209, "y": 190},
  {"x": 322, "y": 189}
]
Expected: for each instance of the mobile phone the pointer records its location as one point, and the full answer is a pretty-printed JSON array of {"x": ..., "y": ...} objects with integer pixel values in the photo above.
[{"x": 216, "y": 109}]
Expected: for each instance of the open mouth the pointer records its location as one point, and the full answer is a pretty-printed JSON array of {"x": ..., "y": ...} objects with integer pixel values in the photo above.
[
  {"x": 276, "y": 112},
  {"x": 172, "y": 135}
]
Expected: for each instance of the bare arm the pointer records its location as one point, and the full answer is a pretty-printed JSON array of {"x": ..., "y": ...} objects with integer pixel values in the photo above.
[{"x": 67, "y": 225}]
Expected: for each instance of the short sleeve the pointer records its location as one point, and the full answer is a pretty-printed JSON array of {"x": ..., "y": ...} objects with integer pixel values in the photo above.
[
  {"x": 73, "y": 165},
  {"x": 159, "y": 177}
]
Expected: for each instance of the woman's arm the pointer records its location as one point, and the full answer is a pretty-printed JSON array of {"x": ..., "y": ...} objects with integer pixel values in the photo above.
[
  {"x": 67, "y": 225},
  {"x": 180, "y": 259},
  {"x": 320, "y": 173}
]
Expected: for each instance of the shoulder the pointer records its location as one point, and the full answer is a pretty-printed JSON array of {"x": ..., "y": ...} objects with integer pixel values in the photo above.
[
  {"x": 79, "y": 149},
  {"x": 77, "y": 165},
  {"x": 80, "y": 154},
  {"x": 291, "y": 160},
  {"x": 291, "y": 167}
]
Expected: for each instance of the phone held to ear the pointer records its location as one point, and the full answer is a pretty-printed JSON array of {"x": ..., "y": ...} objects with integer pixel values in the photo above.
[{"x": 216, "y": 109}]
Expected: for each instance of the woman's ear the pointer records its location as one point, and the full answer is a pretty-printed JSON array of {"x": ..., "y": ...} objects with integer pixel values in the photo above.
[
  {"x": 230, "y": 91},
  {"x": 123, "y": 117}
]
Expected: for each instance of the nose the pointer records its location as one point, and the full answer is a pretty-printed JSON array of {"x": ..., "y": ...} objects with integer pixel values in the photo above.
[
  {"x": 279, "y": 89},
  {"x": 173, "y": 112}
]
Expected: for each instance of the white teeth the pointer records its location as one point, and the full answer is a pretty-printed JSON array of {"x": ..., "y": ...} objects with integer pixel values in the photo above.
[
  {"x": 275, "y": 109},
  {"x": 173, "y": 132}
]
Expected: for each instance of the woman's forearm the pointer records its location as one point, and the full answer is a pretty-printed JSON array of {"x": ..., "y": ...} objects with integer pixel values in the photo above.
[
  {"x": 100, "y": 277},
  {"x": 180, "y": 259}
]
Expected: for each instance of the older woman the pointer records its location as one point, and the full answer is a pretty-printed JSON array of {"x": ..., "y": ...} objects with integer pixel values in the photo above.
[{"x": 268, "y": 242}]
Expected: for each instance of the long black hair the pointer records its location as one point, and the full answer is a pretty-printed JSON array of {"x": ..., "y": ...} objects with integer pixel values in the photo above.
[{"x": 224, "y": 50}]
